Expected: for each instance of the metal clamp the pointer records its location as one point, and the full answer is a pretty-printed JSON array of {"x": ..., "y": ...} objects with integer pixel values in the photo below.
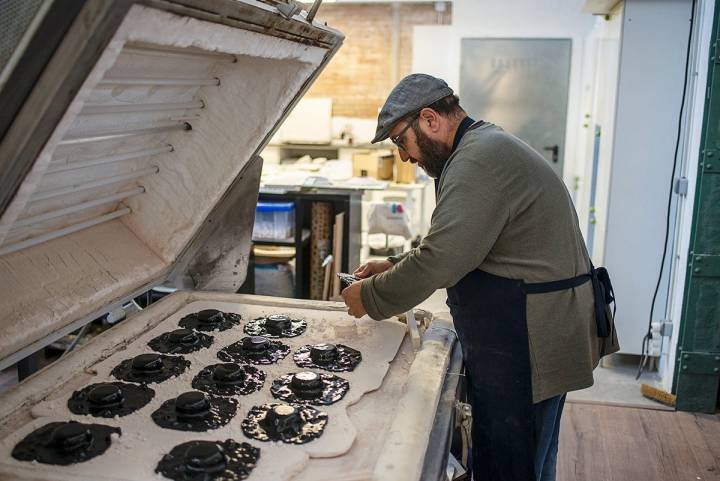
[
  {"x": 463, "y": 418},
  {"x": 288, "y": 9}
]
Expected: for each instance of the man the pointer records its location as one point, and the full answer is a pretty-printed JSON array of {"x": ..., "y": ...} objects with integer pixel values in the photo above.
[{"x": 505, "y": 241}]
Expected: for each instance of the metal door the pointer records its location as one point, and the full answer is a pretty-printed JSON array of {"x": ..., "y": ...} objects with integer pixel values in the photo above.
[
  {"x": 697, "y": 374},
  {"x": 522, "y": 86}
]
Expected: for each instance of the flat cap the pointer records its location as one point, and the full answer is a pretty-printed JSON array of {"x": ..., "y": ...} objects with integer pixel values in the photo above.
[{"x": 411, "y": 94}]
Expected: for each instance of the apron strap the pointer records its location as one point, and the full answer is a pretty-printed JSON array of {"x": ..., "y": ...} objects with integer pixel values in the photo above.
[
  {"x": 553, "y": 286},
  {"x": 602, "y": 292}
]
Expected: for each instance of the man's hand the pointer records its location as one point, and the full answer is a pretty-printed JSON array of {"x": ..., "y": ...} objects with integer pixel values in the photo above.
[
  {"x": 371, "y": 268},
  {"x": 351, "y": 296}
]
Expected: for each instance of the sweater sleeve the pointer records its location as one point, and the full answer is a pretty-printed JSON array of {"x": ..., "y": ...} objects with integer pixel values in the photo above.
[
  {"x": 398, "y": 257},
  {"x": 468, "y": 218}
]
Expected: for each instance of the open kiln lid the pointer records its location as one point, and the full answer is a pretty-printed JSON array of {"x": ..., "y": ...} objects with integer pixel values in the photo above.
[{"x": 128, "y": 152}]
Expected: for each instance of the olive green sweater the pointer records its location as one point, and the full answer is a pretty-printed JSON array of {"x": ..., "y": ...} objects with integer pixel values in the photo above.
[{"x": 502, "y": 209}]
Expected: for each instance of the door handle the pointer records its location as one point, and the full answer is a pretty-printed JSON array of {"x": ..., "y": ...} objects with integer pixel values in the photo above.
[{"x": 555, "y": 149}]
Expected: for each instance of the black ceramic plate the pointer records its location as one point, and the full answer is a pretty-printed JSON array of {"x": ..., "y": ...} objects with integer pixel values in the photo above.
[
  {"x": 254, "y": 350},
  {"x": 307, "y": 386},
  {"x": 110, "y": 399},
  {"x": 276, "y": 325},
  {"x": 210, "y": 320},
  {"x": 289, "y": 423},
  {"x": 150, "y": 368},
  {"x": 330, "y": 357},
  {"x": 65, "y": 443},
  {"x": 195, "y": 411},
  {"x": 180, "y": 341},
  {"x": 209, "y": 461},
  {"x": 229, "y": 379}
]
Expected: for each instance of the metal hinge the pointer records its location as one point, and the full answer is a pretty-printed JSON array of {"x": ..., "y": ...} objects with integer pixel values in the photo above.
[
  {"x": 681, "y": 186},
  {"x": 666, "y": 329}
]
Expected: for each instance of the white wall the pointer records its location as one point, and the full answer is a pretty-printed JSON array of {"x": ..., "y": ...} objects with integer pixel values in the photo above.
[
  {"x": 436, "y": 49},
  {"x": 652, "y": 61}
]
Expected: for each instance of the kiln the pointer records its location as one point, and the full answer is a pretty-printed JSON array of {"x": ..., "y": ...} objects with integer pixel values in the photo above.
[{"x": 129, "y": 159}]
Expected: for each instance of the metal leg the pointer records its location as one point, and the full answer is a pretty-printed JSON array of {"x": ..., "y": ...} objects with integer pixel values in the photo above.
[
  {"x": 81, "y": 333},
  {"x": 28, "y": 366}
]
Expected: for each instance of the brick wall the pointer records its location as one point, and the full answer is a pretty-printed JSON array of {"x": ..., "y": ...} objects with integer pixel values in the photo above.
[{"x": 360, "y": 75}]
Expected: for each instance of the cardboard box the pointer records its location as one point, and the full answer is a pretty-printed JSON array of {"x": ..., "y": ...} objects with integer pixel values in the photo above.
[
  {"x": 405, "y": 172},
  {"x": 373, "y": 163}
]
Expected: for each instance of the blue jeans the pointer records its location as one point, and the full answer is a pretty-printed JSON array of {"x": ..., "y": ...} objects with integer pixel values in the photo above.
[{"x": 547, "y": 431}]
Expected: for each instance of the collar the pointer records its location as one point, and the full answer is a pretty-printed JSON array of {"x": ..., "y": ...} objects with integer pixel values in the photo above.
[{"x": 462, "y": 128}]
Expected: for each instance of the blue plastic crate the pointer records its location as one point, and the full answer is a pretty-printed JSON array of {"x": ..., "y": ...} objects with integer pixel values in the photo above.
[{"x": 274, "y": 220}]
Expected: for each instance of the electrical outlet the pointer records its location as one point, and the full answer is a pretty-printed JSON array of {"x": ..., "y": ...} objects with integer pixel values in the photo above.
[{"x": 655, "y": 343}]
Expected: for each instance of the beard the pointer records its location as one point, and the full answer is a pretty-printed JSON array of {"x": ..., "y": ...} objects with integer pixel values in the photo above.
[{"x": 433, "y": 154}]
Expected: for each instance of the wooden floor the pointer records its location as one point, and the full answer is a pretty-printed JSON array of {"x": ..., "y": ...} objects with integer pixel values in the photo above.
[{"x": 606, "y": 443}]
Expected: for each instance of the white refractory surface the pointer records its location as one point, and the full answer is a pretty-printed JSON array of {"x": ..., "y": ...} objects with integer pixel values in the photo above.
[
  {"x": 180, "y": 174},
  {"x": 135, "y": 454}
]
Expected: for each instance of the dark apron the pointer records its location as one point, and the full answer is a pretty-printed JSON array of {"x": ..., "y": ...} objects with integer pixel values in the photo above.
[
  {"x": 489, "y": 313},
  {"x": 489, "y": 316}
]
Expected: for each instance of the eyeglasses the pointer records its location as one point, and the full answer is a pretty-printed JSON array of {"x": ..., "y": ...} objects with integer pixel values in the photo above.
[{"x": 397, "y": 140}]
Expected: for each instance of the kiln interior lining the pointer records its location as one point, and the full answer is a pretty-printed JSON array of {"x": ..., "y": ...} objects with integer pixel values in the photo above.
[{"x": 169, "y": 116}]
